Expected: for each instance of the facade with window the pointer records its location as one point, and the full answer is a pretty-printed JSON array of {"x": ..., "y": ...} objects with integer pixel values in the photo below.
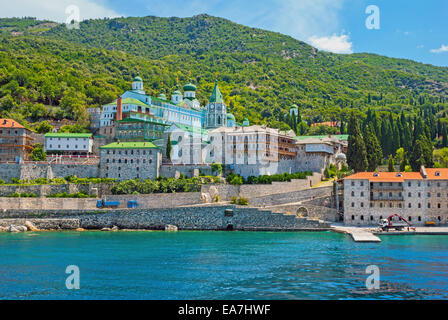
[
  {"x": 416, "y": 196},
  {"x": 68, "y": 143},
  {"x": 16, "y": 142},
  {"x": 130, "y": 160}
]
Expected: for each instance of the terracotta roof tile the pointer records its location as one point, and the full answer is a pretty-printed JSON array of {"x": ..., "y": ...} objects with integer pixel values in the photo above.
[
  {"x": 386, "y": 176},
  {"x": 437, "y": 173},
  {"x": 10, "y": 123}
]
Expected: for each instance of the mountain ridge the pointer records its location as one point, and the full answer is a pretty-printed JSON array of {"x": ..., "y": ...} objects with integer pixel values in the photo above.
[{"x": 261, "y": 72}]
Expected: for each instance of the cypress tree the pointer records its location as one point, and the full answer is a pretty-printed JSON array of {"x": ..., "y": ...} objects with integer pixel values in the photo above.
[
  {"x": 404, "y": 163},
  {"x": 356, "y": 152},
  {"x": 390, "y": 166},
  {"x": 168, "y": 148},
  {"x": 373, "y": 149},
  {"x": 444, "y": 137}
]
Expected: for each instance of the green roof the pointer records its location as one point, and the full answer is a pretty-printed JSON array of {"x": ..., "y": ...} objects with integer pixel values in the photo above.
[
  {"x": 146, "y": 120},
  {"x": 189, "y": 87},
  {"x": 343, "y": 137},
  {"x": 129, "y": 101},
  {"x": 216, "y": 94},
  {"x": 160, "y": 100},
  {"x": 177, "y": 92},
  {"x": 191, "y": 129},
  {"x": 293, "y": 107},
  {"x": 138, "y": 79},
  {"x": 230, "y": 117},
  {"x": 67, "y": 135},
  {"x": 130, "y": 145}
]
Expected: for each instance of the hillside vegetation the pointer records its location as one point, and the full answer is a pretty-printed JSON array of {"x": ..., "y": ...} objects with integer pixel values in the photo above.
[{"x": 49, "y": 71}]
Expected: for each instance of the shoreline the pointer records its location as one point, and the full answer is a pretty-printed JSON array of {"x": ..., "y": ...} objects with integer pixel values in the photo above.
[{"x": 20, "y": 223}]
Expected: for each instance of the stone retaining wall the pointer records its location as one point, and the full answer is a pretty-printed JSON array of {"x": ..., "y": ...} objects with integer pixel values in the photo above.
[
  {"x": 312, "y": 211},
  {"x": 156, "y": 200},
  {"x": 159, "y": 200},
  {"x": 38, "y": 170},
  {"x": 290, "y": 197},
  {"x": 227, "y": 191}
]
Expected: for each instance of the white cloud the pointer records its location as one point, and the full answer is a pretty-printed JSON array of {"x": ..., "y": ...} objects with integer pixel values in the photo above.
[
  {"x": 54, "y": 10},
  {"x": 443, "y": 48},
  {"x": 335, "y": 43},
  {"x": 300, "y": 19}
]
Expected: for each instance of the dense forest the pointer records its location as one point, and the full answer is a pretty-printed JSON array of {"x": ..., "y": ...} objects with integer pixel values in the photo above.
[{"x": 48, "y": 71}]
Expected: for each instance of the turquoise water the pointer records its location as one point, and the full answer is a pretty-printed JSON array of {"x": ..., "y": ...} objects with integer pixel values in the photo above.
[{"x": 220, "y": 265}]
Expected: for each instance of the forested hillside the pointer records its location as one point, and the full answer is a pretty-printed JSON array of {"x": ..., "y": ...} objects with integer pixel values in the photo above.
[{"x": 50, "y": 71}]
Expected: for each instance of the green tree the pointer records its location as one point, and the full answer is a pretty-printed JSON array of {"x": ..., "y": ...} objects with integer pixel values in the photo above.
[
  {"x": 356, "y": 153},
  {"x": 422, "y": 154},
  {"x": 444, "y": 137},
  {"x": 373, "y": 149},
  {"x": 43, "y": 127},
  {"x": 216, "y": 168},
  {"x": 38, "y": 153},
  {"x": 390, "y": 165},
  {"x": 169, "y": 147},
  {"x": 404, "y": 163}
]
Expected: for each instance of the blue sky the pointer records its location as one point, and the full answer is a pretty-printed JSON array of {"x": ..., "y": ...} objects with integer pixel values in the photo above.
[{"x": 416, "y": 30}]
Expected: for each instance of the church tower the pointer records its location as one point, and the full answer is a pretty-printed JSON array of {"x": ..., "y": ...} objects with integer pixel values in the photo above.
[
  {"x": 216, "y": 114},
  {"x": 137, "y": 85}
]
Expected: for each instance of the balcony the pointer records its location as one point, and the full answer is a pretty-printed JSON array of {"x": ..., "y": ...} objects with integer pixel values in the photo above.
[
  {"x": 386, "y": 198},
  {"x": 386, "y": 186}
]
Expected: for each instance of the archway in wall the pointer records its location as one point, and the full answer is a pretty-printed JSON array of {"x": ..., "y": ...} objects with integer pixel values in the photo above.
[{"x": 302, "y": 212}]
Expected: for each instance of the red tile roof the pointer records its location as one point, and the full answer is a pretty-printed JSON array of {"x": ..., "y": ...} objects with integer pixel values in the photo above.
[
  {"x": 10, "y": 123},
  {"x": 431, "y": 174},
  {"x": 437, "y": 173},
  {"x": 386, "y": 176},
  {"x": 327, "y": 123}
]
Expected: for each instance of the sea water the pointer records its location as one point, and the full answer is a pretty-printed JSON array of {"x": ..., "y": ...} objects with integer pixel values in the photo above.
[{"x": 220, "y": 265}]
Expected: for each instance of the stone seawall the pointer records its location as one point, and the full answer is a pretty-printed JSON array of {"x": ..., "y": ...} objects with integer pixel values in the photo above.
[{"x": 185, "y": 218}]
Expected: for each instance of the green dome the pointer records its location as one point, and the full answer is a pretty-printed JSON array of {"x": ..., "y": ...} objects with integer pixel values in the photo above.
[
  {"x": 230, "y": 117},
  {"x": 177, "y": 92},
  {"x": 162, "y": 96},
  {"x": 245, "y": 122},
  {"x": 138, "y": 79},
  {"x": 189, "y": 87},
  {"x": 293, "y": 107}
]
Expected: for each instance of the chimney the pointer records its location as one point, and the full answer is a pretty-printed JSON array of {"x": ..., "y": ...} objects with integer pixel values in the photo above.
[
  {"x": 423, "y": 172},
  {"x": 119, "y": 114}
]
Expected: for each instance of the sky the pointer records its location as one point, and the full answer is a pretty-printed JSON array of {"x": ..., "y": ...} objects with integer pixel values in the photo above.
[{"x": 410, "y": 29}]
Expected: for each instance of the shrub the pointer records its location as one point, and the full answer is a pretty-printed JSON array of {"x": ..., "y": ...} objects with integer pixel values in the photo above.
[
  {"x": 2, "y": 181},
  {"x": 243, "y": 201},
  {"x": 160, "y": 185},
  {"x": 216, "y": 199},
  {"x": 234, "y": 200},
  {"x": 64, "y": 194},
  {"x": 236, "y": 180},
  {"x": 14, "y": 195}
]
